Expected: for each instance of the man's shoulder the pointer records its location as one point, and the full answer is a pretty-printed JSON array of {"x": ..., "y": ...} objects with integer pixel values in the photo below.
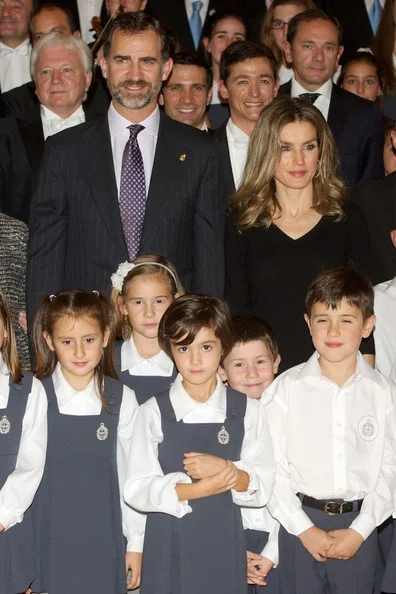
[
  {"x": 366, "y": 194},
  {"x": 188, "y": 134},
  {"x": 81, "y": 133},
  {"x": 354, "y": 102}
]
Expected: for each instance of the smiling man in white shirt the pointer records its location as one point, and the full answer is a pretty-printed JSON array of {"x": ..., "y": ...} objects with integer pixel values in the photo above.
[
  {"x": 15, "y": 45},
  {"x": 249, "y": 81}
]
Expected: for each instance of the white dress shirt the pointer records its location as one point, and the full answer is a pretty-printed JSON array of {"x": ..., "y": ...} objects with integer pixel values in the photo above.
[
  {"x": 53, "y": 123},
  {"x": 322, "y": 102},
  {"x": 369, "y": 4},
  {"x": 14, "y": 65},
  {"x": 87, "y": 402},
  {"x": 21, "y": 485},
  {"x": 216, "y": 99},
  {"x": 333, "y": 443},
  {"x": 202, "y": 12},
  {"x": 147, "y": 140},
  {"x": 385, "y": 326},
  {"x": 149, "y": 490},
  {"x": 238, "y": 146},
  {"x": 259, "y": 518},
  {"x": 131, "y": 360},
  {"x": 86, "y": 10}
]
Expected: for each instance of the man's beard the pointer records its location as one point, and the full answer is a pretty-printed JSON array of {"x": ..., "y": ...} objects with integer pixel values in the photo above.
[{"x": 140, "y": 99}]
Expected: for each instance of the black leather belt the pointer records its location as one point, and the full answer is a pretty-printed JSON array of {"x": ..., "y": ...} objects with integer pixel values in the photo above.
[{"x": 332, "y": 507}]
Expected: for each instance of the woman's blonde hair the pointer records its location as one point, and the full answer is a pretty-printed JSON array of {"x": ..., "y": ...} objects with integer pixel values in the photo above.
[
  {"x": 9, "y": 349},
  {"x": 255, "y": 202},
  {"x": 149, "y": 265},
  {"x": 75, "y": 305},
  {"x": 266, "y": 35}
]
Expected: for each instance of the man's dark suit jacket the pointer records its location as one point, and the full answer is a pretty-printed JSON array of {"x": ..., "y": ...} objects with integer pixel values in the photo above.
[
  {"x": 228, "y": 178},
  {"x": 76, "y": 235},
  {"x": 356, "y": 27},
  {"x": 22, "y": 147},
  {"x": 378, "y": 200},
  {"x": 357, "y": 129}
]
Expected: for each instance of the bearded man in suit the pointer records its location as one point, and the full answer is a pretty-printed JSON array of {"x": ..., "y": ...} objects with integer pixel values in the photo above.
[{"x": 132, "y": 182}]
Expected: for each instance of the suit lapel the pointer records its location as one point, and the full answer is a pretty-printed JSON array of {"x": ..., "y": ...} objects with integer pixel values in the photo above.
[
  {"x": 31, "y": 132},
  {"x": 338, "y": 112},
  {"x": 95, "y": 157},
  {"x": 167, "y": 170},
  {"x": 226, "y": 161}
]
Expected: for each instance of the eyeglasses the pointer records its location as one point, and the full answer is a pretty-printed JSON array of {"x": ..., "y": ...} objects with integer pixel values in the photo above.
[{"x": 278, "y": 24}]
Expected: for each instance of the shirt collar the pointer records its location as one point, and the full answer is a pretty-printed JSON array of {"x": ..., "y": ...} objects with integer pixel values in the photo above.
[
  {"x": 204, "y": 127},
  {"x": 23, "y": 49},
  {"x": 236, "y": 133},
  {"x": 183, "y": 404},
  {"x": 49, "y": 115},
  {"x": 118, "y": 124},
  {"x": 325, "y": 90},
  {"x": 130, "y": 358},
  {"x": 363, "y": 369},
  {"x": 65, "y": 392}
]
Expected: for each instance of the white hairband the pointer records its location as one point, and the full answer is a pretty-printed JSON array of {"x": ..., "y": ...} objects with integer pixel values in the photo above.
[{"x": 117, "y": 279}]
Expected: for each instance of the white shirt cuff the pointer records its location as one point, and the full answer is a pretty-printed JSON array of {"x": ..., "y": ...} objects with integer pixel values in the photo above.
[
  {"x": 135, "y": 543},
  {"x": 8, "y": 519},
  {"x": 271, "y": 552},
  {"x": 364, "y": 525},
  {"x": 298, "y": 522}
]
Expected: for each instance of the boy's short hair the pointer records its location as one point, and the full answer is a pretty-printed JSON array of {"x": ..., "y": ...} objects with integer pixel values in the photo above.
[
  {"x": 251, "y": 328},
  {"x": 332, "y": 286},
  {"x": 241, "y": 51},
  {"x": 188, "y": 314}
]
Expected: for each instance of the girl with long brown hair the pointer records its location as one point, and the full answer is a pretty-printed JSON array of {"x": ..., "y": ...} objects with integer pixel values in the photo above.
[{"x": 79, "y": 515}]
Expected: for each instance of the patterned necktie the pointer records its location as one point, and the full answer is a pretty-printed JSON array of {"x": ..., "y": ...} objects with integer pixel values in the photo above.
[
  {"x": 310, "y": 97},
  {"x": 196, "y": 23},
  {"x": 132, "y": 192},
  {"x": 375, "y": 15}
]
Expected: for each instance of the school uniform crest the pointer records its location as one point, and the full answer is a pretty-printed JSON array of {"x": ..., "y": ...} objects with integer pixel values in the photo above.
[
  {"x": 102, "y": 432},
  {"x": 368, "y": 428},
  {"x": 223, "y": 436},
  {"x": 5, "y": 425}
]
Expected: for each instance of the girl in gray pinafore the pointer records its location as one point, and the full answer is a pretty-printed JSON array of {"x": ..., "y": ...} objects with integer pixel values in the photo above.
[
  {"x": 23, "y": 440},
  {"x": 142, "y": 291},
  {"x": 78, "y": 517},
  {"x": 187, "y": 438}
]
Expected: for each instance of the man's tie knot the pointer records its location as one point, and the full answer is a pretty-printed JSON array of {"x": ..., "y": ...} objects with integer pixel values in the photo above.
[
  {"x": 134, "y": 130},
  {"x": 310, "y": 97}
]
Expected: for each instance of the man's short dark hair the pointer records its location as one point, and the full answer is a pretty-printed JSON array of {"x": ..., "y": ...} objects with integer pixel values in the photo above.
[
  {"x": 240, "y": 51},
  {"x": 220, "y": 15},
  {"x": 136, "y": 22},
  {"x": 331, "y": 286},
  {"x": 52, "y": 6},
  {"x": 308, "y": 16},
  {"x": 189, "y": 314},
  {"x": 192, "y": 59}
]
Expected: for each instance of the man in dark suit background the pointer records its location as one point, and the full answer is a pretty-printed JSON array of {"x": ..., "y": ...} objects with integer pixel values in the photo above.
[
  {"x": 249, "y": 81},
  {"x": 314, "y": 48},
  {"x": 83, "y": 221},
  {"x": 61, "y": 68},
  {"x": 359, "y": 19}
]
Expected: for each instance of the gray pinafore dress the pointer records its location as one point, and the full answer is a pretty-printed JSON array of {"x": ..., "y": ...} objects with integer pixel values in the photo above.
[
  {"x": 77, "y": 514},
  {"x": 389, "y": 578},
  {"x": 144, "y": 386},
  {"x": 203, "y": 552},
  {"x": 255, "y": 542},
  {"x": 16, "y": 544}
]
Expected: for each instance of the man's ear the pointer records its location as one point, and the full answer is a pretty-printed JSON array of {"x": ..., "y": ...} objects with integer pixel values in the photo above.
[
  {"x": 276, "y": 363},
  {"x": 288, "y": 52},
  {"x": 308, "y": 322},
  {"x": 368, "y": 326},
  {"x": 223, "y": 89}
]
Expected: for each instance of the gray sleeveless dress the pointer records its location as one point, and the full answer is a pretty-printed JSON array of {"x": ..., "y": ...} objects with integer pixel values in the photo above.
[
  {"x": 16, "y": 544},
  {"x": 144, "y": 386},
  {"x": 203, "y": 552},
  {"x": 77, "y": 513}
]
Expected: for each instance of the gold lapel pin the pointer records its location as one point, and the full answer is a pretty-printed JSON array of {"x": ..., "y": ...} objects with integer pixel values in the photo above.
[{"x": 182, "y": 157}]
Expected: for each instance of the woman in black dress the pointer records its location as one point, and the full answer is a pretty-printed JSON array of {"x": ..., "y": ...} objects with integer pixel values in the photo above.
[{"x": 289, "y": 221}]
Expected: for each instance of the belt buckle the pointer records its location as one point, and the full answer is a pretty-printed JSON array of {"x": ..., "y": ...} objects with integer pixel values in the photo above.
[{"x": 333, "y": 508}]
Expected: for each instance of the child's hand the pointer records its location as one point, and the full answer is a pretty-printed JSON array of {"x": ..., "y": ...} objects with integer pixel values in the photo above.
[
  {"x": 133, "y": 563},
  {"x": 345, "y": 543},
  {"x": 258, "y": 569},
  {"x": 2, "y": 528},
  {"x": 317, "y": 542},
  {"x": 222, "y": 481},
  {"x": 199, "y": 466}
]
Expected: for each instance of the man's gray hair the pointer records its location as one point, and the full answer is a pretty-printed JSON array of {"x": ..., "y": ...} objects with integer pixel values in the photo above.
[{"x": 68, "y": 42}]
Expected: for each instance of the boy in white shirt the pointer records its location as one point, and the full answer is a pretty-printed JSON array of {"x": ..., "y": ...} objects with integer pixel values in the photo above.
[
  {"x": 333, "y": 422},
  {"x": 250, "y": 368}
]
